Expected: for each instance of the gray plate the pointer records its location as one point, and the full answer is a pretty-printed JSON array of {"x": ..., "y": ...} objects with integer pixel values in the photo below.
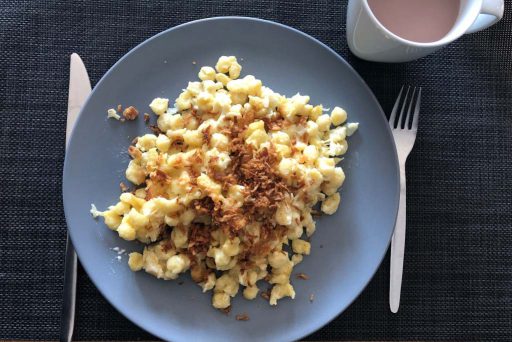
[{"x": 347, "y": 247}]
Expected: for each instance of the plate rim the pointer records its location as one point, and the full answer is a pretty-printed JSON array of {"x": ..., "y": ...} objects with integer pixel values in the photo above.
[{"x": 292, "y": 335}]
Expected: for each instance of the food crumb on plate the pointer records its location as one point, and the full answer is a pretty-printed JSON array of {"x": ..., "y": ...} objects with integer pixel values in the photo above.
[
  {"x": 312, "y": 297},
  {"x": 226, "y": 310},
  {"x": 111, "y": 113},
  {"x": 123, "y": 187},
  {"x": 130, "y": 113},
  {"x": 266, "y": 294},
  {"x": 119, "y": 250},
  {"x": 242, "y": 317},
  {"x": 302, "y": 276},
  {"x": 155, "y": 129},
  {"x": 94, "y": 211}
]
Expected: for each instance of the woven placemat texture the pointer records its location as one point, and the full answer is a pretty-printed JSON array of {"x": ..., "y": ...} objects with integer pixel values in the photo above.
[{"x": 457, "y": 273}]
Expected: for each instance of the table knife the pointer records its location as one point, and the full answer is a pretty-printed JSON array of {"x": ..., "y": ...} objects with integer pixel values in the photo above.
[{"x": 79, "y": 89}]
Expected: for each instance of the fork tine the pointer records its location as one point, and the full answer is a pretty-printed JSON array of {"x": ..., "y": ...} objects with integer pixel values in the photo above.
[
  {"x": 400, "y": 119},
  {"x": 392, "y": 117},
  {"x": 416, "y": 112},
  {"x": 408, "y": 116}
]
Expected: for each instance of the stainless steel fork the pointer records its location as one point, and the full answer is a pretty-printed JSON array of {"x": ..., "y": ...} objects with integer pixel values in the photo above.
[{"x": 404, "y": 133}]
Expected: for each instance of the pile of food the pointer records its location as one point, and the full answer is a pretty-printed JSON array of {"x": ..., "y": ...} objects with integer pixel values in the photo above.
[{"x": 228, "y": 185}]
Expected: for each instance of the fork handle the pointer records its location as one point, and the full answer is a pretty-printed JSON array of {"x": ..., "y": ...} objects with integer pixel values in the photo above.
[{"x": 397, "y": 248}]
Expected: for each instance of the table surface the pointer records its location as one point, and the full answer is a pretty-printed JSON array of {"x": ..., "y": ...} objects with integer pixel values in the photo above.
[{"x": 457, "y": 272}]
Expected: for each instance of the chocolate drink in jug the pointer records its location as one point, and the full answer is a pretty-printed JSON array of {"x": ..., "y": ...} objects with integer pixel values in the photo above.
[{"x": 421, "y": 21}]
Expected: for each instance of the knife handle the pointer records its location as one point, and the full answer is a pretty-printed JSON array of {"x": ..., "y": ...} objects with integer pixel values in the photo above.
[{"x": 69, "y": 298}]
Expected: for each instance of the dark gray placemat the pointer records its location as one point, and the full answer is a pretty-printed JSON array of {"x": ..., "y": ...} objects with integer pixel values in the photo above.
[{"x": 457, "y": 272}]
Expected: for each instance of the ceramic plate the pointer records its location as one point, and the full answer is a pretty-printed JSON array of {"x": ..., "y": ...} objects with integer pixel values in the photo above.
[{"x": 347, "y": 247}]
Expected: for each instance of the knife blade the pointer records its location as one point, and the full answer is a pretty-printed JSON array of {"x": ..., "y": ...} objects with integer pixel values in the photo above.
[{"x": 79, "y": 90}]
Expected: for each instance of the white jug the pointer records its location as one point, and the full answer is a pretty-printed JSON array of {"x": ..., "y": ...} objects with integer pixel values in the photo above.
[{"x": 369, "y": 39}]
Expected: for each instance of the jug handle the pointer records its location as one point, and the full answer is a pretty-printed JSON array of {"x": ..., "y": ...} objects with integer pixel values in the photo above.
[{"x": 490, "y": 13}]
